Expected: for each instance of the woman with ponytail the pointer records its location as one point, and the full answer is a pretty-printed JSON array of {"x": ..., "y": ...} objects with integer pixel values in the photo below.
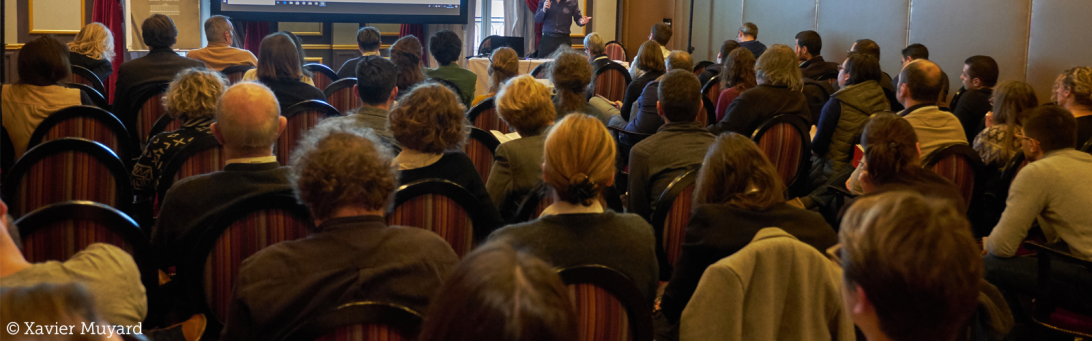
[
  {"x": 892, "y": 161},
  {"x": 577, "y": 229},
  {"x": 571, "y": 74}
]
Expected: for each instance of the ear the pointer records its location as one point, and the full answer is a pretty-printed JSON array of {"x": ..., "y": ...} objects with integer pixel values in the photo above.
[
  {"x": 903, "y": 90},
  {"x": 355, "y": 91},
  {"x": 215, "y": 127},
  {"x": 394, "y": 94},
  {"x": 701, "y": 109},
  {"x": 917, "y": 146},
  {"x": 863, "y": 305},
  {"x": 283, "y": 123},
  {"x": 544, "y": 177},
  {"x": 3, "y": 208},
  {"x": 659, "y": 108},
  {"x": 976, "y": 82}
]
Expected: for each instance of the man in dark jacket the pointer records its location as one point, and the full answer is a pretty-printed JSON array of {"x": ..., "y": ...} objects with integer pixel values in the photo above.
[
  {"x": 778, "y": 93},
  {"x": 971, "y": 103},
  {"x": 138, "y": 76},
  {"x": 748, "y": 39},
  {"x": 808, "y": 46}
]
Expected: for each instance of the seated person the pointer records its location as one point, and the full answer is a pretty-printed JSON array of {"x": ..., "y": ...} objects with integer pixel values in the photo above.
[
  {"x": 430, "y": 125},
  {"x": 661, "y": 35},
  {"x": 498, "y": 293},
  {"x": 646, "y": 119},
  {"x": 524, "y": 104},
  {"x": 351, "y": 256},
  {"x": 577, "y": 229},
  {"x": 1073, "y": 90},
  {"x": 109, "y": 274},
  {"x": 570, "y": 75},
  {"x": 446, "y": 47},
  {"x": 918, "y": 51},
  {"x": 42, "y": 66},
  {"x": 219, "y": 54},
  {"x": 406, "y": 54},
  {"x": 375, "y": 84},
  {"x": 737, "y": 76},
  {"x": 247, "y": 124},
  {"x": 892, "y": 162},
  {"x": 652, "y": 66},
  {"x": 192, "y": 98},
  {"x": 93, "y": 49},
  {"x": 812, "y": 65},
  {"x": 160, "y": 65},
  {"x": 714, "y": 70},
  {"x": 280, "y": 69},
  {"x": 868, "y": 46},
  {"x": 747, "y": 35},
  {"x": 58, "y": 312},
  {"x": 252, "y": 74},
  {"x": 596, "y": 49},
  {"x": 943, "y": 273},
  {"x": 1054, "y": 191},
  {"x": 503, "y": 65},
  {"x": 778, "y": 93},
  {"x": 678, "y": 144},
  {"x": 367, "y": 39},
  {"x": 971, "y": 103},
  {"x": 996, "y": 144}
]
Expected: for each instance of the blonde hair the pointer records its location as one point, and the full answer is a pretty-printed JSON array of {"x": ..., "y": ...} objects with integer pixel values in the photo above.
[
  {"x": 525, "y": 104},
  {"x": 1012, "y": 100},
  {"x": 1079, "y": 81},
  {"x": 579, "y": 159},
  {"x": 504, "y": 63},
  {"x": 94, "y": 41},
  {"x": 778, "y": 66},
  {"x": 194, "y": 93},
  {"x": 429, "y": 119}
]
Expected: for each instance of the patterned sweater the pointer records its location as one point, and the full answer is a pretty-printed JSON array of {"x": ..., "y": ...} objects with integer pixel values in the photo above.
[{"x": 161, "y": 148}]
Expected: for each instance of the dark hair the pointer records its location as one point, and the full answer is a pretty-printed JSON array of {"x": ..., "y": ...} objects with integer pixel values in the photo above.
[
  {"x": 339, "y": 165},
  {"x": 862, "y": 68},
  {"x": 680, "y": 95},
  {"x": 732, "y": 166},
  {"x": 43, "y": 62},
  {"x": 890, "y": 148},
  {"x": 158, "y": 31},
  {"x": 810, "y": 40},
  {"x": 1053, "y": 126},
  {"x": 915, "y": 51},
  {"x": 375, "y": 78},
  {"x": 49, "y": 303},
  {"x": 368, "y": 38},
  {"x": 650, "y": 57},
  {"x": 497, "y": 293},
  {"x": 738, "y": 70},
  {"x": 868, "y": 46},
  {"x": 749, "y": 29},
  {"x": 429, "y": 118},
  {"x": 661, "y": 33},
  {"x": 984, "y": 68},
  {"x": 726, "y": 48},
  {"x": 571, "y": 74},
  {"x": 922, "y": 77},
  {"x": 406, "y": 54},
  {"x": 299, "y": 52},
  {"x": 278, "y": 58},
  {"x": 445, "y": 47}
]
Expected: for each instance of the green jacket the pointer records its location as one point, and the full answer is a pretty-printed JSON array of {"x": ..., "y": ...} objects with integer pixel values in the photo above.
[
  {"x": 858, "y": 101},
  {"x": 466, "y": 80}
]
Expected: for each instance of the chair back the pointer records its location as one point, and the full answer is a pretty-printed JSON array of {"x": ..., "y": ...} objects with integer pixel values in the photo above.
[
  {"x": 1087, "y": 147},
  {"x": 609, "y": 306},
  {"x": 7, "y": 152},
  {"x": 82, "y": 75},
  {"x": 87, "y": 122},
  {"x": 301, "y": 117},
  {"x": 610, "y": 81},
  {"x": 710, "y": 93},
  {"x": 542, "y": 71},
  {"x": 537, "y": 200},
  {"x": 148, "y": 110},
  {"x": 486, "y": 46},
  {"x": 1048, "y": 311},
  {"x": 959, "y": 163},
  {"x": 484, "y": 116},
  {"x": 700, "y": 67},
  {"x": 480, "y": 148},
  {"x": 66, "y": 169},
  {"x": 164, "y": 124},
  {"x": 817, "y": 94},
  {"x": 440, "y": 206},
  {"x": 201, "y": 156},
  {"x": 322, "y": 75},
  {"x": 340, "y": 94},
  {"x": 785, "y": 141},
  {"x": 361, "y": 321},
  {"x": 671, "y": 215},
  {"x": 450, "y": 85},
  {"x": 615, "y": 51},
  {"x": 235, "y": 73},
  {"x": 97, "y": 97}
]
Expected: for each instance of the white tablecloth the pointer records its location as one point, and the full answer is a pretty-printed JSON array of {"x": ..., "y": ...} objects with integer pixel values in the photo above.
[{"x": 480, "y": 66}]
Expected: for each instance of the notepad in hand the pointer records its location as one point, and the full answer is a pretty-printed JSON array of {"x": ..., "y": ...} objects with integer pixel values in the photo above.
[{"x": 502, "y": 137}]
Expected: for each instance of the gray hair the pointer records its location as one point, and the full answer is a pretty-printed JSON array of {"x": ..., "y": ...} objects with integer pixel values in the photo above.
[
  {"x": 215, "y": 27},
  {"x": 679, "y": 60},
  {"x": 595, "y": 44},
  {"x": 778, "y": 66},
  {"x": 749, "y": 29},
  {"x": 242, "y": 124}
]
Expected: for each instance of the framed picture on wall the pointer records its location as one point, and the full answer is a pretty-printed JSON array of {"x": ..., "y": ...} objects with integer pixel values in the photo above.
[{"x": 55, "y": 16}]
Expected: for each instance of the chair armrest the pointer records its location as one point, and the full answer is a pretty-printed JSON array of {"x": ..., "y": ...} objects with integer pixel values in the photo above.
[{"x": 1062, "y": 255}]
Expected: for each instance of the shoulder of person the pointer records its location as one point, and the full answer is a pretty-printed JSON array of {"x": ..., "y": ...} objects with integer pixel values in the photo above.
[{"x": 101, "y": 257}]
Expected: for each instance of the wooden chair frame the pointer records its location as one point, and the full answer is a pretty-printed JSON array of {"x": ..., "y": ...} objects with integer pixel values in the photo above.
[
  {"x": 96, "y": 96},
  {"x": 134, "y": 111},
  {"x": 239, "y": 69},
  {"x": 401, "y": 319},
  {"x": 709, "y": 103},
  {"x": 1044, "y": 306},
  {"x": 326, "y": 109},
  {"x": 477, "y": 110},
  {"x": 450, "y": 85},
  {"x": 661, "y": 211},
  {"x": 622, "y": 287},
  {"x": 96, "y": 82},
  {"x": 799, "y": 181},
  {"x": 128, "y": 151},
  {"x": 166, "y": 177},
  {"x": 449, "y": 189},
  {"x": 122, "y": 182},
  {"x": 323, "y": 69},
  {"x": 625, "y": 54},
  {"x": 968, "y": 152},
  {"x": 701, "y": 66}
]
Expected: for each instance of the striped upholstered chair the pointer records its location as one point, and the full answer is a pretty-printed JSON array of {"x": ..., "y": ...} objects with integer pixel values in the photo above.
[
  {"x": 440, "y": 206},
  {"x": 670, "y": 217},
  {"x": 608, "y": 304},
  {"x": 165, "y": 123},
  {"x": 361, "y": 321},
  {"x": 67, "y": 169},
  {"x": 235, "y": 73},
  {"x": 97, "y": 98},
  {"x": 537, "y": 200},
  {"x": 542, "y": 71},
  {"x": 959, "y": 163},
  {"x": 340, "y": 94},
  {"x": 480, "y": 148},
  {"x": 149, "y": 109},
  {"x": 784, "y": 139},
  {"x": 484, "y": 116},
  {"x": 88, "y": 122},
  {"x": 235, "y": 233},
  {"x": 322, "y": 75},
  {"x": 81, "y": 75},
  {"x": 710, "y": 94},
  {"x": 610, "y": 81},
  {"x": 615, "y": 51},
  {"x": 202, "y": 155},
  {"x": 302, "y": 117}
]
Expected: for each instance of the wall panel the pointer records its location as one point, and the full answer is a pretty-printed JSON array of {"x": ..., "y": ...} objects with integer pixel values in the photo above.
[
  {"x": 842, "y": 22},
  {"x": 714, "y": 22},
  {"x": 778, "y": 21},
  {"x": 1059, "y": 40}
]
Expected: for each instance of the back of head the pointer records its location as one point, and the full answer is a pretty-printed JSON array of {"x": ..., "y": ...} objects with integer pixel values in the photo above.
[
  {"x": 749, "y": 29},
  {"x": 1011, "y": 99},
  {"x": 375, "y": 78},
  {"x": 278, "y": 58},
  {"x": 862, "y": 68},
  {"x": 927, "y": 294},
  {"x": 984, "y": 68},
  {"x": 341, "y": 165},
  {"x": 811, "y": 40},
  {"x": 194, "y": 94},
  {"x": 579, "y": 159},
  {"x": 158, "y": 31},
  {"x": 923, "y": 79},
  {"x": 94, "y": 41},
  {"x": 890, "y": 148},
  {"x": 445, "y": 46},
  {"x": 48, "y": 304},
  {"x": 504, "y": 64},
  {"x": 368, "y": 38},
  {"x": 778, "y": 67},
  {"x": 867, "y": 46},
  {"x": 736, "y": 173},
  {"x": 595, "y": 44},
  {"x": 43, "y": 62},
  {"x": 915, "y": 52},
  {"x": 570, "y": 74},
  {"x": 739, "y": 69},
  {"x": 661, "y": 33},
  {"x": 497, "y": 293},
  {"x": 248, "y": 117},
  {"x": 1079, "y": 81},
  {"x": 649, "y": 57},
  {"x": 680, "y": 95},
  {"x": 679, "y": 60},
  {"x": 215, "y": 27},
  {"x": 406, "y": 54},
  {"x": 727, "y": 47},
  {"x": 525, "y": 104},
  {"x": 429, "y": 119},
  {"x": 1053, "y": 126}
]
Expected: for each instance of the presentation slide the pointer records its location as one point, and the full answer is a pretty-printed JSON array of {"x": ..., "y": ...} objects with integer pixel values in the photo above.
[{"x": 370, "y": 11}]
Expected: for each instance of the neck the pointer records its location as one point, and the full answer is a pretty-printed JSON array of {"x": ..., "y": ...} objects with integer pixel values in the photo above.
[
  {"x": 564, "y": 207},
  {"x": 385, "y": 105},
  {"x": 236, "y": 153},
  {"x": 11, "y": 260},
  {"x": 910, "y": 102},
  {"x": 1079, "y": 110},
  {"x": 743, "y": 39},
  {"x": 350, "y": 211}
]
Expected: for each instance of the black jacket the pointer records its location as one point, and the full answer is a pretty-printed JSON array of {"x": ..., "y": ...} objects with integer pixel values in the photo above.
[
  {"x": 161, "y": 64},
  {"x": 292, "y": 91},
  {"x": 819, "y": 69},
  {"x": 99, "y": 67},
  {"x": 970, "y": 107},
  {"x": 633, "y": 91},
  {"x": 755, "y": 106}
]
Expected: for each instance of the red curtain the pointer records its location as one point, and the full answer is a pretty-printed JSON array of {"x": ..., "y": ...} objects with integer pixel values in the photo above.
[
  {"x": 533, "y": 6},
  {"x": 418, "y": 31},
  {"x": 108, "y": 12},
  {"x": 255, "y": 31}
]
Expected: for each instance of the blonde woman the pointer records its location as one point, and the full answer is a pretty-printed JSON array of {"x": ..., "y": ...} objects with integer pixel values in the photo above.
[
  {"x": 93, "y": 49},
  {"x": 525, "y": 105},
  {"x": 503, "y": 65},
  {"x": 192, "y": 98},
  {"x": 778, "y": 93},
  {"x": 577, "y": 229},
  {"x": 998, "y": 143},
  {"x": 1073, "y": 91}
]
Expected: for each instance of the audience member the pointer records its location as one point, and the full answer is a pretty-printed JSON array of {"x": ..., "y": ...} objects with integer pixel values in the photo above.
[
  {"x": 571, "y": 74},
  {"x": 367, "y": 40},
  {"x": 867, "y": 46},
  {"x": 220, "y": 54},
  {"x": 252, "y": 74},
  {"x": 891, "y": 294},
  {"x": 808, "y": 46},
  {"x": 651, "y": 63},
  {"x": 503, "y": 65},
  {"x": 918, "y": 51},
  {"x": 998, "y": 143},
  {"x": 596, "y": 49},
  {"x": 108, "y": 273},
  {"x": 42, "y": 66},
  {"x": 57, "y": 312},
  {"x": 351, "y": 256},
  {"x": 661, "y": 34},
  {"x": 406, "y": 54},
  {"x": 191, "y": 98},
  {"x": 248, "y": 123},
  {"x": 93, "y": 49},
  {"x": 577, "y": 229},
  {"x": 716, "y": 69},
  {"x": 778, "y": 93},
  {"x": 160, "y": 65},
  {"x": 446, "y": 47},
  {"x": 892, "y": 161},
  {"x": 375, "y": 84},
  {"x": 430, "y": 125},
  {"x": 525, "y": 105},
  {"x": 678, "y": 144},
  {"x": 279, "y": 68},
  {"x": 748, "y": 39},
  {"x": 971, "y": 103},
  {"x": 737, "y": 76},
  {"x": 1073, "y": 90},
  {"x": 647, "y": 119},
  {"x": 498, "y": 293}
]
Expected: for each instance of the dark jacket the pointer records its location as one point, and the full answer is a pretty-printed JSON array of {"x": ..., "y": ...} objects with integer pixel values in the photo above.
[
  {"x": 517, "y": 168},
  {"x": 755, "y": 106},
  {"x": 819, "y": 69},
  {"x": 161, "y": 64},
  {"x": 657, "y": 160},
  {"x": 843, "y": 119},
  {"x": 634, "y": 90},
  {"x": 373, "y": 118},
  {"x": 292, "y": 91},
  {"x": 599, "y": 61},
  {"x": 970, "y": 107},
  {"x": 588, "y": 109},
  {"x": 710, "y": 72},
  {"x": 648, "y": 119},
  {"x": 756, "y": 47},
  {"x": 457, "y": 167},
  {"x": 99, "y": 67}
]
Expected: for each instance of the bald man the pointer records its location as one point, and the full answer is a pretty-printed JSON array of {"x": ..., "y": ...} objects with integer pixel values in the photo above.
[{"x": 248, "y": 122}]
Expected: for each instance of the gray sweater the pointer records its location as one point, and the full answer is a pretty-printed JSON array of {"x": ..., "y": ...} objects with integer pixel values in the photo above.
[{"x": 1057, "y": 191}]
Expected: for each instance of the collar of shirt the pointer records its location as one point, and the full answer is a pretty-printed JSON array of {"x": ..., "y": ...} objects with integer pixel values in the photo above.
[
  {"x": 412, "y": 159},
  {"x": 341, "y": 223},
  {"x": 683, "y": 126},
  {"x": 371, "y": 111},
  {"x": 917, "y": 107},
  {"x": 370, "y": 53},
  {"x": 600, "y": 57},
  {"x": 260, "y": 159},
  {"x": 564, "y": 207}
]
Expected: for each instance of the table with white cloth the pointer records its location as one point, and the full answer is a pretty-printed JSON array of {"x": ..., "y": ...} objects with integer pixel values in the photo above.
[{"x": 480, "y": 67}]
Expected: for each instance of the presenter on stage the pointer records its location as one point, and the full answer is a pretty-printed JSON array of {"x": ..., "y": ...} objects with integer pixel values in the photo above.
[{"x": 556, "y": 17}]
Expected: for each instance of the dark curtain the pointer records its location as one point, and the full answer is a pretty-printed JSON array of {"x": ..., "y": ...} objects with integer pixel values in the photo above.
[
  {"x": 108, "y": 12},
  {"x": 253, "y": 32},
  {"x": 533, "y": 6},
  {"x": 418, "y": 31}
]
